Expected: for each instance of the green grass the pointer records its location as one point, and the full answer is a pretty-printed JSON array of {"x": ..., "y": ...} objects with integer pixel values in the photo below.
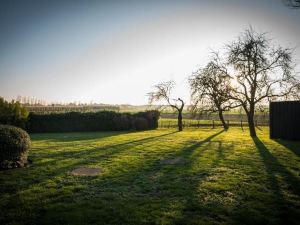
[
  {"x": 168, "y": 122},
  {"x": 198, "y": 176}
]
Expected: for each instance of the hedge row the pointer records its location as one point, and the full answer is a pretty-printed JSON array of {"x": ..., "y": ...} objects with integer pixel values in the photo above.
[{"x": 93, "y": 121}]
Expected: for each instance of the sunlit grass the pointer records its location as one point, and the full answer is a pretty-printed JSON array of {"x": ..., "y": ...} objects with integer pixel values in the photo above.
[
  {"x": 170, "y": 122},
  {"x": 198, "y": 176}
]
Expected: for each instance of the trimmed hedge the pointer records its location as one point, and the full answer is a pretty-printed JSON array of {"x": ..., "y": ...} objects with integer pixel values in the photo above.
[
  {"x": 14, "y": 146},
  {"x": 92, "y": 121}
]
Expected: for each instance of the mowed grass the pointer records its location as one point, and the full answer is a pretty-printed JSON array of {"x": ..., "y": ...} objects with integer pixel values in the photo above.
[{"x": 198, "y": 176}]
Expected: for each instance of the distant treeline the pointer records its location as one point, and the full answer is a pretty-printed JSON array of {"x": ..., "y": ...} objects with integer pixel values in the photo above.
[
  {"x": 70, "y": 108},
  {"x": 92, "y": 121},
  {"x": 164, "y": 109}
]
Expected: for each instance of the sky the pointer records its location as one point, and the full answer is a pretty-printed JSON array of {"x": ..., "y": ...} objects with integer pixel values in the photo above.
[{"x": 113, "y": 52}]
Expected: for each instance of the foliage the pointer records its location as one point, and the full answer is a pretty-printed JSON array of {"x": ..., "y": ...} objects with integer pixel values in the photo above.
[
  {"x": 98, "y": 121},
  {"x": 12, "y": 113},
  {"x": 197, "y": 176},
  {"x": 14, "y": 146}
]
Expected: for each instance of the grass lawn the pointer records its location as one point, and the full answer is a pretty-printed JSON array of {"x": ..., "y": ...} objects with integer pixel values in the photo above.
[
  {"x": 168, "y": 123},
  {"x": 198, "y": 176}
]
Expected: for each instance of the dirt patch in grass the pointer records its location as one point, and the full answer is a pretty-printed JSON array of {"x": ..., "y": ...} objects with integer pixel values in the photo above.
[
  {"x": 85, "y": 171},
  {"x": 173, "y": 161}
]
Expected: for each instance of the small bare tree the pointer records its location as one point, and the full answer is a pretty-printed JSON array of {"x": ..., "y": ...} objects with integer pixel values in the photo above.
[
  {"x": 163, "y": 92},
  {"x": 261, "y": 72},
  {"x": 294, "y": 4},
  {"x": 210, "y": 87}
]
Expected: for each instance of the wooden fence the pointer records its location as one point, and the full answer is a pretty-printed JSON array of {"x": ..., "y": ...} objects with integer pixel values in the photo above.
[{"x": 210, "y": 123}]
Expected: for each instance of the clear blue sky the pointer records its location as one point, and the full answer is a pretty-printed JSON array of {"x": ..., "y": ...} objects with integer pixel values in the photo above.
[{"x": 115, "y": 51}]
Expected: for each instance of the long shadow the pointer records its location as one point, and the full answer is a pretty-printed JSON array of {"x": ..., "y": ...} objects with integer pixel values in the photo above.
[
  {"x": 193, "y": 210},
  {"x": 135, "y": 174},
  {"x": 136, "y": 181},
  {"x": 286, "y": 214},
  {"x": 75, "y": 136},
  {"x": 117, "y": 148},
  {"x": 181, "y": 183},
  {"x": 89, "y": 157},
  {"x": 191, "y": 148},
  {"x": 293, "y": 146}
]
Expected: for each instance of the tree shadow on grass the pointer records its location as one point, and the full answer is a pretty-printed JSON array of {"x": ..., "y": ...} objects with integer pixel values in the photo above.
[
  {"x": 293, "y": 146},
  {"x": 179, "y": 182},
  {"x": 54, "y": 172},
  {"x": 82, "y": 158},
  {"x": 286, "y": 212},
  {"x": 75, "y": 136},
  {"x": 174, "y": 182},
  {"x": 113, "y": 149}
]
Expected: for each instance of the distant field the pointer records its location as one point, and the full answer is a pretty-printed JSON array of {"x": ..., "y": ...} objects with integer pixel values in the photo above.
[{"x": 198, "y": 176}]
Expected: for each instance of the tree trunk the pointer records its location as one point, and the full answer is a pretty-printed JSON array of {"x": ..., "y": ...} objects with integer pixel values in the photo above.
[
  {"x": 222, "y": 120},
  {"x": 250, "y": 117},
  {"x": 179, "y": 120}
]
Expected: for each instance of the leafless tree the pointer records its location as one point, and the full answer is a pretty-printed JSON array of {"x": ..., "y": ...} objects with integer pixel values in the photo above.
[
  {"x": 262, "y": 72},
  {"x": 163, "y": 92},
  {"x": 294, "y": 4},
  {"x": 210, "y": 87}
]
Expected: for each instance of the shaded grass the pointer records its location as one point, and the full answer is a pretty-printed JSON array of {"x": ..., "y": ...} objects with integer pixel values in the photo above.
[{"x": 198, "y": 176}]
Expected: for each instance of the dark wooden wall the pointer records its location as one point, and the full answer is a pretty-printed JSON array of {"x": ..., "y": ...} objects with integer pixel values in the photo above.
[{"x": 285, "y": 120}]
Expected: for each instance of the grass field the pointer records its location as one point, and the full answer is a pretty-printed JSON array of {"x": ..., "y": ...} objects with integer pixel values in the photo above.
[
  {"x": 198, "y": 176},
  {"x": 172, "y": 123}
]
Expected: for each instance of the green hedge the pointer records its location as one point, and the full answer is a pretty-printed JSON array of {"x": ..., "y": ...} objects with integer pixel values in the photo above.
[{"x": 93, "y": 121}]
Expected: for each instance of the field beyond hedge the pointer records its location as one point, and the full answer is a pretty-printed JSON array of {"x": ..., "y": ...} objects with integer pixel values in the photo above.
[{"x": 198, "y": 176}]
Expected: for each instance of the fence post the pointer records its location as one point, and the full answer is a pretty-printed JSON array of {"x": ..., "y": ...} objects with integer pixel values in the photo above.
[
  {"x": 213, "y": 124},
  {"x": 198, "y": 125},
  {"x": 242, "y": 124}
]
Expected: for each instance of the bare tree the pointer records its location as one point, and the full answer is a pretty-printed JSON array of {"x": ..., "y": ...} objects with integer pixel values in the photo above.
[
  {"x": 210, "y": 87},
  {"x": 294, "y": 4},
  {"x": 163, "y": 92},
  {"x": 262, "y": 72}
]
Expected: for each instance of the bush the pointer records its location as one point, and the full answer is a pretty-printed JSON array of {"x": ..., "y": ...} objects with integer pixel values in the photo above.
[
  {"x": 98, "y": 121},
  {"x": 12, "y": 113},
  {"x": 14, "y": 146}
]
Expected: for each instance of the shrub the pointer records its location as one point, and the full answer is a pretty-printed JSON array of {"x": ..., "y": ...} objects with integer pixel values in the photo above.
[
  {"x": 151, "y": 117},
  {"x": 12, "y": 113},
  {"x": 14, "y": 146}
]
